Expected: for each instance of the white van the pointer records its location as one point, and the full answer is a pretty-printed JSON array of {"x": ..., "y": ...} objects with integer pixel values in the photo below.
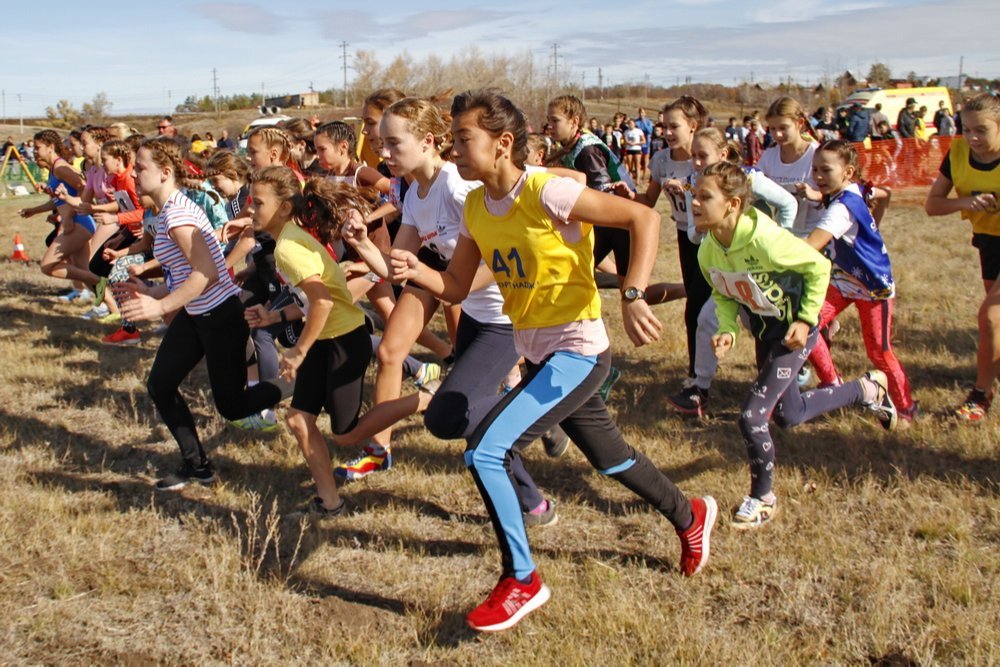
[
  {"x": 264, "y": 120},
  {"x": 893, "y": 100}
]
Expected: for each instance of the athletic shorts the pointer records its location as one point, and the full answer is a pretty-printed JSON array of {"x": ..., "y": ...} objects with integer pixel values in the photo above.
[
  {"x": 87, "y": 222},
  {"x": 989, "y": 254}
]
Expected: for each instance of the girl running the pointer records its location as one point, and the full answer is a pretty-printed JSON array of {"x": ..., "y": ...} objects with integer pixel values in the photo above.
[
  {"x": 972, "y": 169},
  {"x": 669, "y": 169},
  {"x": 529, "y": 229},
  {"x": 93, "y": 200},
  {"x": 708, "y": 147},
  {"x": 414, "y": 135},
  {"x": 789, "y": 161},
  {"x": 779, "y": 281},
  {"x": 70, "y": 247},
  {"x": 208, "y": 322},
  {"x": 862, "y": 273},
  {"x": 331, "y": 355},
  {"x": 587, "y": 154},
  {"x": 302, "y": 151}
]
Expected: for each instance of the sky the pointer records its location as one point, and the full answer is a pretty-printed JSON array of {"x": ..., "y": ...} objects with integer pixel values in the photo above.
[{"x": 149, "y": 56}]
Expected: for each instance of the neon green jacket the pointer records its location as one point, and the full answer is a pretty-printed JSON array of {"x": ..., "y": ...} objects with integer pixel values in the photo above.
[{"x": 777, "y": 277}]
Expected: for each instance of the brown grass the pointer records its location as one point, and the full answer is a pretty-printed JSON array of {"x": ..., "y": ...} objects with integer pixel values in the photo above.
[{"x": 886, "y": 551}]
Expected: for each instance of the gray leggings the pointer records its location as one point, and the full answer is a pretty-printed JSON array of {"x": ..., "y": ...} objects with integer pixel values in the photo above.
[{"x": 776, "y": 391}]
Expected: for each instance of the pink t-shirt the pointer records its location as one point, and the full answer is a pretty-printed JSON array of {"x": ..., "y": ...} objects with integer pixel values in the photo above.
[
  {"x": 97, "y": 182},
  {"x": 586, "y": 337}
]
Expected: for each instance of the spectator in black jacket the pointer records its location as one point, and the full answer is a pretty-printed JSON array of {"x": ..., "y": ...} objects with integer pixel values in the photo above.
[{"x": 906, "y": 122}]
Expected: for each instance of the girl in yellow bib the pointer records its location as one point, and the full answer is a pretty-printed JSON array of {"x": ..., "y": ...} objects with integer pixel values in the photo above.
[
  {"x": 972, "y": 168},
  {"x": 331, "y": 355},
  {"x": 528, "y": 229}
]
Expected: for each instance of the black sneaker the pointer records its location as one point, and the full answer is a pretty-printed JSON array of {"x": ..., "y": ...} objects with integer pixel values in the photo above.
[
  {"x": 690, "y": 400},
  {"x": 556, "y": 441},
  {"x": 187, "y": 473}
]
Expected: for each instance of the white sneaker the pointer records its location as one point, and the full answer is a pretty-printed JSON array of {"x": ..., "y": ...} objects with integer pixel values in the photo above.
[
  {"x": 753, "y": 513},
  {"x": 96, "y": 313}
]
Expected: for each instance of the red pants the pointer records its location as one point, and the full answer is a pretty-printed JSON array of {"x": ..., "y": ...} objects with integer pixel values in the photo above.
[{"x": 876, "y": 328}]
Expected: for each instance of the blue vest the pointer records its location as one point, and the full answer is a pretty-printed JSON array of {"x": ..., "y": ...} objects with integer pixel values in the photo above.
[{"x": 868, "y": 260}]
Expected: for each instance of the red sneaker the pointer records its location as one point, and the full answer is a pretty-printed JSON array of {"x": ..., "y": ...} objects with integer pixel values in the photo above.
[
  {"x": 121, "y": 338},
  {"x": 695, "y": 541},
  {"x": 509, "y": 602}
]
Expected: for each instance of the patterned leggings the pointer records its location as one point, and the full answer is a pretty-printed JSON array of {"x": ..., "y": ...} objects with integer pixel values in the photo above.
[{"x": 776, "y": 391}]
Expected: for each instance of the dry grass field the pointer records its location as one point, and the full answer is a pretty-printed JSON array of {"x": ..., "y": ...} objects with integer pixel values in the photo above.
[{"x": 886, "y": 549}]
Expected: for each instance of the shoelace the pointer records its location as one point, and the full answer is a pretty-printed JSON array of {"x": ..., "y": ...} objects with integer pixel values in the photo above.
[{"x": 749, "y": 506}]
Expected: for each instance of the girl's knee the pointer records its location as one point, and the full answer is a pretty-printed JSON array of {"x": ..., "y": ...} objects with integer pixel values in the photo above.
[
  {"x": 485, "y": 456},
  {"x": 299, "y": 422},
  {"x": 390, "y": 354},
  {"x": 989, "y": 315}
]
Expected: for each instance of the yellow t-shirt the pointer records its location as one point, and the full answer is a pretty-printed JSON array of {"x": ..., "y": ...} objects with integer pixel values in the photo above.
[
  {"x": 299, "y": 256},
  {"x": 969, "y": 181},
  {"x": 545, "y": 281}
]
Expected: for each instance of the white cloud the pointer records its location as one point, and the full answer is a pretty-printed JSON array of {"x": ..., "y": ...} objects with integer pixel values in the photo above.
[
  {"x": 791, "y": 11},
  {"x": 241, "y": 17}
]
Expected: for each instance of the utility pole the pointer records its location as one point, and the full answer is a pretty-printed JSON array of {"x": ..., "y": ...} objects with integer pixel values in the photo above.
[
  {"x": 343, "y": 47},
  {"x": 961, "y": 63},
  {"x": 262, "y": 93},
  {"x": 215, "y": 90},
  {"x": 555, "y": 62},
  {"x": 170, "y": 106},
  {"x": 20, "y": 113},
  {"x": 600, "y": 83},
  {"x": 583, "y": 86}
]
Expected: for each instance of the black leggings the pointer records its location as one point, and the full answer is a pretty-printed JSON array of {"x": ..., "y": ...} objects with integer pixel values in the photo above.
[
  {"x": 698, "y": 292},
  {"x": 220, "y": 336},
  {"x": 99, "y": 266},
  {"x": 332, "y": 377},
  {"x": 618, "y": 241}
]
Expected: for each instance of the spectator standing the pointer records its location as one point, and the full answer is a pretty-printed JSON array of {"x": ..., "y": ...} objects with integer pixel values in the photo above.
[
  {"x": 906, "y": 122},
  {"x": 642, "y": 122},
  {"x": 857, "y": 124},
  {"x": 825, "y": 126},
  {"x": 877, "y": 118},
  {"x": 225, "y": 142},
  {"x": 732, "y": 130},
  {"x": 941, "y": 113},
  {"x": 658, "y": 142},
  {"x": 754, "y": 146}
]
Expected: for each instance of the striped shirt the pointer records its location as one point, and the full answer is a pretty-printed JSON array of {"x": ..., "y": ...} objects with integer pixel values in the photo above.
[{"x": 179, "y": 211}]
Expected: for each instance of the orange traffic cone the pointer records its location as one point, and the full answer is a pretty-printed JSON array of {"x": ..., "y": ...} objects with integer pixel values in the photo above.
[{"x": 19, "y": 254}]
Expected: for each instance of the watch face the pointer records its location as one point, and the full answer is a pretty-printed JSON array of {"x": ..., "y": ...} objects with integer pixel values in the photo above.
[{"x": 633, "y": 293}]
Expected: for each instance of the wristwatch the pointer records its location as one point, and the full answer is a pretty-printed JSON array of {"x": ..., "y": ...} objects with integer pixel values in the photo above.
[{"x": 634, "y": 294}]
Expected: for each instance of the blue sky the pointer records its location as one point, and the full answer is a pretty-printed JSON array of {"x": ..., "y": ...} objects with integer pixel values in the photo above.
[{"x": 136, "y": 52}]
